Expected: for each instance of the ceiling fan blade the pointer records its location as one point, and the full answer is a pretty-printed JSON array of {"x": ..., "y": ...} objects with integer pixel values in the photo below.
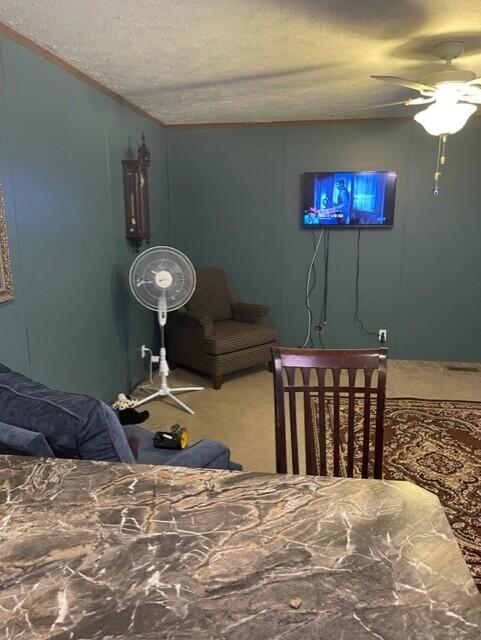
[
  {"x": 380, "y": 106},
  {"x": 403, "y": 82},
  {"x": 472, "y": 99},
  {"x": 408, "y": 103},
  {"x": 416, "y": 101}
]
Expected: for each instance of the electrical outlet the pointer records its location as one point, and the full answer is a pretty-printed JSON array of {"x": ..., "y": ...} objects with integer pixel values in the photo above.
[{"x": 382, "y": 335}]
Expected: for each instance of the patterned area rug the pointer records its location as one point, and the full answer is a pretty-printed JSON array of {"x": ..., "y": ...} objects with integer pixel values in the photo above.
[{"x": 436, "y": 444}]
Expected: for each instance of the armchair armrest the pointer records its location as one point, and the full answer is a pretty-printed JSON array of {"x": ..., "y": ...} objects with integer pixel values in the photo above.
[
  {"x": 197, "y": 320},
  {"x": 253, "y": 313}
]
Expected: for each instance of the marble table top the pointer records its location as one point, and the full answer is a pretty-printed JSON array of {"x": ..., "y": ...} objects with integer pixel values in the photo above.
[{"x": 110, "y": 551}]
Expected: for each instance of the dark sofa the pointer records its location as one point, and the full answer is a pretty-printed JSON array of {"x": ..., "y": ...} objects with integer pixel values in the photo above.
[{"x": 38, "y": 421}]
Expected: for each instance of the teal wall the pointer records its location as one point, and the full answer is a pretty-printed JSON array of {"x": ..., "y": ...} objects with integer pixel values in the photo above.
[
  {"x": 73, "y": 323},
  {"x": 234, "y": 201}
]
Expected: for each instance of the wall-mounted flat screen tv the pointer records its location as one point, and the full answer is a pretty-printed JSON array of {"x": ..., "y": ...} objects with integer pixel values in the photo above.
[{"x": 348, "y": 200}]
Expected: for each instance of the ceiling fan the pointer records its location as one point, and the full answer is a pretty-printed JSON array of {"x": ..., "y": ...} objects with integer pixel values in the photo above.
[{"x": 452, "y": 93}]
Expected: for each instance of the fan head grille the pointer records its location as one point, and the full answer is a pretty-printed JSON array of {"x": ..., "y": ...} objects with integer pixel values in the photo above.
[{"x": 162, "y": 271}]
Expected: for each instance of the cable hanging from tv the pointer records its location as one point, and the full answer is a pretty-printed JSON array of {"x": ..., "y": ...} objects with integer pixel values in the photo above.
[
  {"x": 310, "y": 271},
  {"x": 323, "y": 315},
  {"x": 311, "y": 274},
  {"x": 357, "y": 319}
]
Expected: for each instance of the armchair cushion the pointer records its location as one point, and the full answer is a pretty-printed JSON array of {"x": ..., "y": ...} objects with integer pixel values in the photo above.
[
  {"x": 15, "y": 440},
  {"x": 211, "y": 297},
  {"x": 231, "y": 335},
  {"x": 253, "y": 313}
]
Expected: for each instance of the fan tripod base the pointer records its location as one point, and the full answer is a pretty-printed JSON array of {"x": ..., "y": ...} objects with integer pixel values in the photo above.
[
  {"x": 164, "y": 391},
  {"x": 167, "y": 392}
]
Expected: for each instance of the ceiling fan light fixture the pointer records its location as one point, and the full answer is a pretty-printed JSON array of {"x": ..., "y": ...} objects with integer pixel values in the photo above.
[{"x": 443, "y": 118}]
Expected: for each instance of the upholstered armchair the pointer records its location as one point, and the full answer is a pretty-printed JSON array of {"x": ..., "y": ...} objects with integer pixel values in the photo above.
[{"x": 214, "y": 334}]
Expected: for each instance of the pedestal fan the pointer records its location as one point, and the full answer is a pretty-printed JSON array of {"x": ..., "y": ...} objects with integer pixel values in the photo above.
[{"x": 163, "y": 279}]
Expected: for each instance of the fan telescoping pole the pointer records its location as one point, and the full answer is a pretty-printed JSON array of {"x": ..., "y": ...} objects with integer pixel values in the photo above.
[{"x": 163, "y": 366}]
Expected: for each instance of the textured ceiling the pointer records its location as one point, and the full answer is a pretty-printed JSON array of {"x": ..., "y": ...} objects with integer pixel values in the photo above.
[{"x": 195, "y": 61}]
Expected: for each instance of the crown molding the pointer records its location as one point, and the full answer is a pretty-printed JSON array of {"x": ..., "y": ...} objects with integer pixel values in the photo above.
[
  {"x": 297, "y": 123},
  {"x": 284, "y": 123}
]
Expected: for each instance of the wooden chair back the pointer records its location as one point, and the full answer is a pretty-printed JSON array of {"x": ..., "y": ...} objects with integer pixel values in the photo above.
[{"x": 357, "y": 382}]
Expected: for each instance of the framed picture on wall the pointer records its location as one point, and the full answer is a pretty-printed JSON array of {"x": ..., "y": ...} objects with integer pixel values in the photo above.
[{"x": 6, "y": 281}]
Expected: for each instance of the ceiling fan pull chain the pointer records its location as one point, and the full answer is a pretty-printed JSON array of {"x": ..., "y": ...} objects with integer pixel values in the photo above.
[
  {"x": 443, "y": 149},
  {"x": 440, "y": 161}
]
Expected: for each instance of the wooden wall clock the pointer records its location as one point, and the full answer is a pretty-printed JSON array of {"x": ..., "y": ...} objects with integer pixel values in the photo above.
[{"x": 136, "y": 195}]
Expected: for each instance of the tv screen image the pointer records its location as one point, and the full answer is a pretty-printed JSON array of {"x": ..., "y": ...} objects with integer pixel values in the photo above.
[{"x": 352, "y": 200}]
